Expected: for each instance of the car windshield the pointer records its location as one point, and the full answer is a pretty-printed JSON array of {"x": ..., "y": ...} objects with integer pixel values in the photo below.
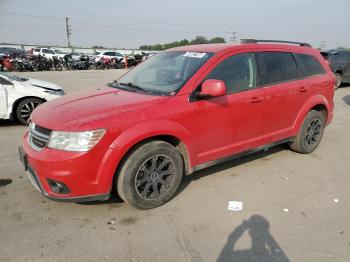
[
  {"x": 164, "y": 73},
  {"x": 13, "y": 77}
]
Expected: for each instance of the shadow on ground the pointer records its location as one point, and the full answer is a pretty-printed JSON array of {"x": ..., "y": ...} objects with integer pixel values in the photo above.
[
  {"x": 264, "y": 247},
  {"x": 9, "y": 123},
  {"x": 186, "y": 180},
  {"x": 346, "y": 99}
]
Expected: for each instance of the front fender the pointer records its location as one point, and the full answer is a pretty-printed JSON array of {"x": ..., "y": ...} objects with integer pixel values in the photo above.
[
  {"x": 312, "y": 102},
  {"x": 142, "y": 131}
]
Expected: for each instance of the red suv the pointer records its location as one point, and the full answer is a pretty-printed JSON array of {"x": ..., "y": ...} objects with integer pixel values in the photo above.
[{"x": 182, "y": 110}]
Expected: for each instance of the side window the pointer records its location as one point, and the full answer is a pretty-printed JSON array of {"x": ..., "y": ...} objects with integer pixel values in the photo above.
[
  {"x": 118, "y": 54},
  {"x": 276, "y": 67},
  {"x": 45, "y": 51},
  {"x": 109, "y": 53},
  {"x": 238, "y": 72},
  {"x": 308, "y": 65}
]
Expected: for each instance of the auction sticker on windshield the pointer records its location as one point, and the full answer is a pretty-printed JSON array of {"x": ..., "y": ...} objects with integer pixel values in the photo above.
[{"x": 194, "y": 54}]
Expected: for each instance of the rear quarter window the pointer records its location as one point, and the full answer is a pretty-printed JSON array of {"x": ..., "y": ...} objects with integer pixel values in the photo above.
[{"x": 308, "y": 65}]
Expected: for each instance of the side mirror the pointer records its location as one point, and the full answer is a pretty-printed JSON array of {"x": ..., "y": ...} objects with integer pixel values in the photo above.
[{"x": 212, "y": 88}]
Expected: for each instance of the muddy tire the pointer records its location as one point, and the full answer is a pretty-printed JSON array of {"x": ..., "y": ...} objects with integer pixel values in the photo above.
[
  {"x": 150, "y": 175},
  {"x": 310, "y": 133}
]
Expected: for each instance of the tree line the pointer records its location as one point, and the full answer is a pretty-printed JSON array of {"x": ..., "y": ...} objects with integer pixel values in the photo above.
[{"x": 196, "y": 41}]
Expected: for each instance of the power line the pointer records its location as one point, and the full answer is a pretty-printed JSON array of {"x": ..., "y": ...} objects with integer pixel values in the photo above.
[
  {"x": 143, "y": 29},
  {"x": 118, "y": 18},
  {"x": 49, "y": 18}
]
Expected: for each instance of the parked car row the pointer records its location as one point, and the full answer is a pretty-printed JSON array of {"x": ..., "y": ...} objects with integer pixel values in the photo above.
[{"x": 12, "y": 59}]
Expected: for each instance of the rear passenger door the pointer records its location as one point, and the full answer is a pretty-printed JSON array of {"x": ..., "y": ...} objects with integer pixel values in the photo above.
[
  {"x": 313, "y": 80},
  {"x": 277, "y": 75}
]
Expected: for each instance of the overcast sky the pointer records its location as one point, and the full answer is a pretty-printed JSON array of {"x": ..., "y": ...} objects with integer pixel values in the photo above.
[{"x": 131, "y": 23}]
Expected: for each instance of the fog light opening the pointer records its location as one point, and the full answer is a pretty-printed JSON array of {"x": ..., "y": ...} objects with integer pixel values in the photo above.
[{"x": 58, "y": 187}]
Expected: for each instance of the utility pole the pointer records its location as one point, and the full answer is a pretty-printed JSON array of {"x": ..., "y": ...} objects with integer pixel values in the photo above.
[
  {"x": 68, "y": 31},
  {"x": 233, "y": 37}
]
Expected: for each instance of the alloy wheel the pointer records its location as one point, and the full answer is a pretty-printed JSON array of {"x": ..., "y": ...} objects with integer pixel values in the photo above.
[
  {"x": 27, "y": 110},
  {"x": 313, "y": 132},
  {"x": 154, "y": 177}
]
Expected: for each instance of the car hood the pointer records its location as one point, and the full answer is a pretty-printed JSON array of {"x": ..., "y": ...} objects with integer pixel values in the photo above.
[
  {"x": 41, "y": 84},
  {"x": 91, "y": 108}
]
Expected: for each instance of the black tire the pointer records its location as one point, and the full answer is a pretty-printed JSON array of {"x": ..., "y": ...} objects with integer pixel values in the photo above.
[
  {"x": 150, "y": 175},
  {"x": 339, "y": 79},
  {"x": 25, "y": 109},
  {"x": 310, "y": 133},
  {"x": 58, "y": 67}
]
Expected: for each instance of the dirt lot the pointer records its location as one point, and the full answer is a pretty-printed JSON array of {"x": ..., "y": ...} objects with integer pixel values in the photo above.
[{"x": 295, "y": 207}]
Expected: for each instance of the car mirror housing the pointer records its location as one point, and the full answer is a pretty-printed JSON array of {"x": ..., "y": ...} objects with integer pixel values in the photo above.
[{"x": 212, "y": 88}]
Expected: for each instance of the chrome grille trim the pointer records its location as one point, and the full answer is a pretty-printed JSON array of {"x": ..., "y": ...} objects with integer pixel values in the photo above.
[{"x": 38, "y": 137}]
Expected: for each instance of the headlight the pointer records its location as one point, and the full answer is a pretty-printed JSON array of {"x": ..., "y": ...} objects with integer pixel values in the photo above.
[{"x": 75, "y": 141}]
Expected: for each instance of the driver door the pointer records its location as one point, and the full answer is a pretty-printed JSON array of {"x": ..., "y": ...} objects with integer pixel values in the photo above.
[{"x": 230, "y": 124}]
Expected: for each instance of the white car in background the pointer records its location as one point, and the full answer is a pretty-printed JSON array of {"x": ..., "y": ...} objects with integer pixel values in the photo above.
[
  {"x": 20, "y": 96},
  {"x": 109, "y": 55},
  {"x": 48, "y": 52}
]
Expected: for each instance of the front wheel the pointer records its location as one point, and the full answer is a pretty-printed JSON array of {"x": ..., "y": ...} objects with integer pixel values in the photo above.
[
  {"x": 310, "y": 133},
  {"x": 25, "y": 109},
  {"x": 150, "y": 175}
]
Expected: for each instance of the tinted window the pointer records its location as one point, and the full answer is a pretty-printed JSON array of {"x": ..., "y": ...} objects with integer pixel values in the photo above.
[
  {"x": 308, "y": 65},
  {"x": 118, "y": 54},
  {"x": 109, "y": 53},
  {"x": 276, "y": 67},
  {"x": 238, "y": 72}
]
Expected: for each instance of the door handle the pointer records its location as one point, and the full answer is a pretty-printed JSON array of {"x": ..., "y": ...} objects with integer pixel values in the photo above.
[
  {"x": 303, "y": 89},
  {"x": 256, "y": 99}
]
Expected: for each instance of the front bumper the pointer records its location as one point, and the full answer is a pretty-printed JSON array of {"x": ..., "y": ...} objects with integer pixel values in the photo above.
[
  {"x": 88, "y": 176},
  {"x": 33, "y": 178}
]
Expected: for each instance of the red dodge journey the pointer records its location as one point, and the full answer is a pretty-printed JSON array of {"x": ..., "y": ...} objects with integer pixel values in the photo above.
[{"x": 183, "y": 109}]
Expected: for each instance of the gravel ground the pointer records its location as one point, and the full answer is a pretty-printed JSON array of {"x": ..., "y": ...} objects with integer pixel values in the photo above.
[{"x": 295, "y": 207}]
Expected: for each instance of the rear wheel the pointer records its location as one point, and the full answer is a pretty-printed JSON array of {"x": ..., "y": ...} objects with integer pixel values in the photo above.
[
  {"x": 310, "y": 133},
  {"x": 150, "y": 175},
  {"x": 25, "y": 109},
  {"x": 339, "y": 79}
]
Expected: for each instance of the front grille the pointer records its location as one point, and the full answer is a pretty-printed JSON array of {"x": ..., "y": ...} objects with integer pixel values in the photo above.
[
  {"x": 38, "y": 136},
  {"x": 42, "y": 130}
]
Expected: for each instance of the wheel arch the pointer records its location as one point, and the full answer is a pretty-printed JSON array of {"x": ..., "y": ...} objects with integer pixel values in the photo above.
[
  {"x": 136, "y": 136},
  {"x": 18, "y": 101},
  {"x": 318, "y": 103}
]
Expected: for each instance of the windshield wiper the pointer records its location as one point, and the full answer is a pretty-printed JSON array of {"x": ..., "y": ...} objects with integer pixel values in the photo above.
[{"x": 133, "y": 86}]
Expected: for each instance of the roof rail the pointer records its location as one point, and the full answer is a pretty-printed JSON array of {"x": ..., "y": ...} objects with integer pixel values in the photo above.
[{"x": 254, "y": 41}]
